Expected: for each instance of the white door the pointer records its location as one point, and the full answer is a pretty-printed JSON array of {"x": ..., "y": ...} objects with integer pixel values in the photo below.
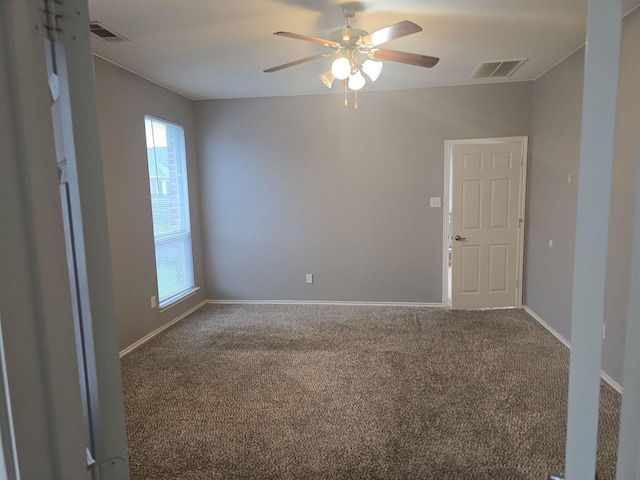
[{"x": 488, "y": 215}]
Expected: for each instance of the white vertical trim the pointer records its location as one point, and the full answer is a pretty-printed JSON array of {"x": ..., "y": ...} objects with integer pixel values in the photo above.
[
  {"x": 9, "y": 468},
  {"x": 446, "y": 211},
  {"x": 592, "y": 230},
  {"x": 79, "y": 118},
  {"x": 448, "y": 155},
  {"x": 9, "y": 465},
  {"x": 629, "y": 440},
  {"x": 36, "y": 313},
  {"x": 522, "y": 218}
]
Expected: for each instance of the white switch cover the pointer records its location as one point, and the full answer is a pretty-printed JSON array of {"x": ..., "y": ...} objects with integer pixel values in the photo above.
[
  {"x": 154, "y": 304},
  {"x": 309, "y": 277},
  {"x": 435, "y": 202}
]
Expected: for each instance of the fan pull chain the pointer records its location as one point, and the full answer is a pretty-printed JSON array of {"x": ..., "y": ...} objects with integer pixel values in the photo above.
[
  {"x": 355, "y": 97},
  {"x": 346, "y": 102}
]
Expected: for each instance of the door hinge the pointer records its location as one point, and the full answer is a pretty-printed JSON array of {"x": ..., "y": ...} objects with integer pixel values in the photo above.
[
  {"x": 44, "y": 19},
  {"x": 59, "y": 20},
  {"x": 520, "y": 221},
  {"x": 517, "y": 283},
  {"x": 521, "y": 160}
]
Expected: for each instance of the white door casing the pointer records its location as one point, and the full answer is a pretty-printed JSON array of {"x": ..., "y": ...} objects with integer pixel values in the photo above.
[{"x": 488, "y": 191}]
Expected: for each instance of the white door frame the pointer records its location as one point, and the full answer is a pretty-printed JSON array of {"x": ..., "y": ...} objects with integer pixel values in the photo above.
[
  {"x": 37, "y": 313},
  {"x": 446, "y": 234}
]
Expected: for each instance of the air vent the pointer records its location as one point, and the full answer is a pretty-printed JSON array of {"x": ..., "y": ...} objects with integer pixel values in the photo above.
[
  {"x": 104, "y": 33},
  {"x": 498, "y": 69}
]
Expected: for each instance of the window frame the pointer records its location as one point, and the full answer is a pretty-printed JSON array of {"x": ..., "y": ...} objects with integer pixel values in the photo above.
[{"x": 164, "y": 238}]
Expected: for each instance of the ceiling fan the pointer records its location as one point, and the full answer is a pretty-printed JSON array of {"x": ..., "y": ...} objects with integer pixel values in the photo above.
[{"x": 358, "y": 50}]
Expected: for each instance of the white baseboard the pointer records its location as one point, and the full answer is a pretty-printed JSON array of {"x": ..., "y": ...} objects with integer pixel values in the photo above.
[
  {"x": 548, "y": 327},
  {"x": 615, "y": 385},
  {"x": 149, "y": 336},
  {"x": 321, "y": 302}
]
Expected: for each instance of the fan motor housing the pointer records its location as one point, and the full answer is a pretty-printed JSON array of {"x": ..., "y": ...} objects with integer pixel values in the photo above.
[{"x": 347, "y": 37}]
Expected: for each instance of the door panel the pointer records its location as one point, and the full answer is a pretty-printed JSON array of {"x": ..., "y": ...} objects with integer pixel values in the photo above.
[
  {"x": 501, "y": 160},
  {"x": 499, "y": 210},
  {"x": 487, "y": 183},
  {"x": 498, "y": 268},
  {"x": 472, "y": 201},
  {"x": 470, "y": 269},
  {"x": 471, "y": 161}
]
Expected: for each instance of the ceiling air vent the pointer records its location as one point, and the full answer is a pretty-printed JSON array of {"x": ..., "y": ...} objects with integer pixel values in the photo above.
[
  {"x": 99, "y": 30},
  {"x": 498, "y": 69}
]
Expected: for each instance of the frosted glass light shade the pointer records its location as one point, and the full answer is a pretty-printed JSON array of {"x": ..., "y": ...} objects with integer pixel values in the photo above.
[
  {"x": 356, "y": 81},
  {"x": 372, "y": 69},
  {"x": 341, "y": 68},
  {"x": 327, "y": 78}
]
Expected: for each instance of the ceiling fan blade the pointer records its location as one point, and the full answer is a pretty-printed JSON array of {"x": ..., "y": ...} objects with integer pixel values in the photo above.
[
  {"x": 404, "y": 57},
  {"x": 297, "y": 62},
  {"x": 321, "y": 41},
  {"x": 386, "y": 34}
]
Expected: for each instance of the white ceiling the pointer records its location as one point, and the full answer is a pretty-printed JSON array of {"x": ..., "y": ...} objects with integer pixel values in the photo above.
[{"x": 219, "y": 49}]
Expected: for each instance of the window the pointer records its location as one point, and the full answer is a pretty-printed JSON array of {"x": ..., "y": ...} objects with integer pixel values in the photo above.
[{"x": 170, "y": 208}]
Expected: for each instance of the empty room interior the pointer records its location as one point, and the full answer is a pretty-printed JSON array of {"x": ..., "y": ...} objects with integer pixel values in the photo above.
[{"x": 260, "y": 266}]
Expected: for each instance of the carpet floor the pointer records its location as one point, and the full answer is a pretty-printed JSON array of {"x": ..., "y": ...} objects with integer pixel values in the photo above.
[{"x": 345, "y": 392}]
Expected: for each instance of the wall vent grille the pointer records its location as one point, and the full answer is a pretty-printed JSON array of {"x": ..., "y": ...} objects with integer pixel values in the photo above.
[
  {"x": 498, "y": 69},
  {"x": 104, "y": 33}
]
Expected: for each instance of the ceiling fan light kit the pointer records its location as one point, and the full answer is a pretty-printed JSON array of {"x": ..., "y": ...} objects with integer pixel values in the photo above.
[
  {"x": 327, "y": 77},
  {"x": 372, "y": 69},
  {"x": 357, "y": 51},
  {"x": 356, "y": 81},
  {"x": 341, "y": 68}
]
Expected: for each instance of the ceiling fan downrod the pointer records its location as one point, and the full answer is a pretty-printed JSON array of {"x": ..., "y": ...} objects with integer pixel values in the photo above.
[{"x": 348, "y": 11}]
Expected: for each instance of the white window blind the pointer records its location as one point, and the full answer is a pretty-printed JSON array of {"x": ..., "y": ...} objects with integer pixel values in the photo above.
[{"x": 170, "y": 208}]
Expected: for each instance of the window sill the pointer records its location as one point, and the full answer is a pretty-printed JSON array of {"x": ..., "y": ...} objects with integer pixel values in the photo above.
[{"x": 176, "y": 299}]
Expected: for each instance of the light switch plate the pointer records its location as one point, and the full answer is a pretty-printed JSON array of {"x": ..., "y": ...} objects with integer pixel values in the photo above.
[{"x": 435, "y": 202}]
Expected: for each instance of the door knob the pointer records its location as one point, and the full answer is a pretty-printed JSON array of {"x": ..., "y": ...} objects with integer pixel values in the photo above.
[{"x": 458, "y": 238}]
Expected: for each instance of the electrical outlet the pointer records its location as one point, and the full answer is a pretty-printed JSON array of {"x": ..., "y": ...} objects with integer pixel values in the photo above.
[
  {"x": 154, "y": 303},
  {"x": 309, "y": 277}
]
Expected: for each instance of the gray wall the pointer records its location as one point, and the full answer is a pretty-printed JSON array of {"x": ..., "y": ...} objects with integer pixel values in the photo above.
[
  {"x": 296, "y": 185},
  {"x": 551, "y": 200},
  {"x": 555, "y": 132},
  {"x": 123, "y": 101}
]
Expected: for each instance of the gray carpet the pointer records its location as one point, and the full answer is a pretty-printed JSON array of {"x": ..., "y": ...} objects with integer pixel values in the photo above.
[{"x": 325, "y": 392}]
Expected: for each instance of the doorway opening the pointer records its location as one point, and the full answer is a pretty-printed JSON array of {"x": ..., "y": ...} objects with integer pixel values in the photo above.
[{"x": 483, "y": 226}]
